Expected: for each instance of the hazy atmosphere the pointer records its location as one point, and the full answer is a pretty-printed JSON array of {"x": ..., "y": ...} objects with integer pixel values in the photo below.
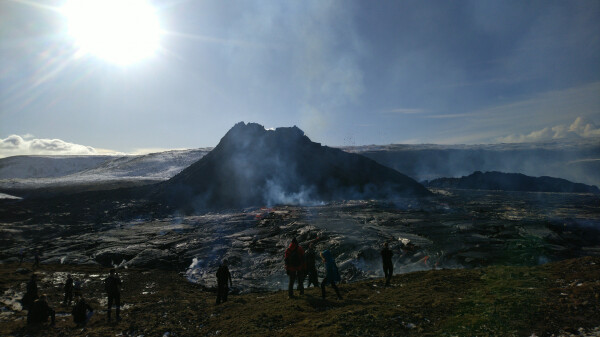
[
  {"x": 346, "y": 72},
  {"x": 430, "y": 168}
]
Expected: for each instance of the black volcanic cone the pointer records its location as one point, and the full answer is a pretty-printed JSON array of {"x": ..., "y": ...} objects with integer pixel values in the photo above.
[{"x": 252, "y": 166}]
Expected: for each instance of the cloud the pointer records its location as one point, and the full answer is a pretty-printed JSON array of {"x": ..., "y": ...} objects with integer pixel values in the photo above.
[
  {"x": 580, "y": 128},
  {"x": 514, "y": 120},
  {"x": 14, "y": 145},
  {"x": 460, "y": 115},
  {"x": 584, "y": 128},
  {"x": 405, "y": 111}
]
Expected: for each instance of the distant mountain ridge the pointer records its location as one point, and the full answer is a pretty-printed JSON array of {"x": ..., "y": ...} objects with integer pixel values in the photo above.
[
  {"x": 252, "y": 166},
  {"x": 576, "y": 160},
  {"x": 512, "y": 182}
]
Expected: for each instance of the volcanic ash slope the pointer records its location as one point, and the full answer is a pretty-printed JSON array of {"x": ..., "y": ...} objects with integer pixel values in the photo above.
[{"x": 252, "y": 166}]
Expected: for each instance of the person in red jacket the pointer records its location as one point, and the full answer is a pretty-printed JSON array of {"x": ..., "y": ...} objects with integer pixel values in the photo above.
[{"x": 295, "y": 267}]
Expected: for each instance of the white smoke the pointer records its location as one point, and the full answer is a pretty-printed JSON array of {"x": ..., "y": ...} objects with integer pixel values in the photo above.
[{"x": 275, "y": 194}]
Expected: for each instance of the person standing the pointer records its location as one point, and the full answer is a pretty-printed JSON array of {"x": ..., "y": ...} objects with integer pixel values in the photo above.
[
  {"x": 21, "y": 256},
  {"x": 332, "y": 274},
  {"x": 68, "y": 290},
  {"x": 295, "y": 267},
  {"x": 36, "y": 258},
  {"x": 31, "y": 294},
  {"x": 388, "y": 266},
  {"x": 112, "y": 286},
  {"x": 311, "y": 269},
  {"x": 223, "y": 280},
  {"x": 78, "y": 288},
  {"x": 82, "y": 312},
  {"x": 40, "y": 311}
]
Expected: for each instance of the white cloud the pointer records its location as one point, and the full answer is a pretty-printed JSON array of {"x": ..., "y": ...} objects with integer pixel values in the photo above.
[
  {"x": 14, "y": 145},
  {"x": 406, "y": 111},
  {"x": 584, "y": 128},
  {"x": 460, "y": 115},
  {"x": 514, "y": 121},
  {"x": 579, "y": 128}
]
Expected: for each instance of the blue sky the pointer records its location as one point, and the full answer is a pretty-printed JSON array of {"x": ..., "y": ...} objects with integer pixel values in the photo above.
[{"x": 346, "y": 72}]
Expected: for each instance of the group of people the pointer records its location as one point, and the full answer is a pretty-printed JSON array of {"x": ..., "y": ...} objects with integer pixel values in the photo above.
[
  {"x": 299, "y": 264},
  {"x": 39, "y": 311}
]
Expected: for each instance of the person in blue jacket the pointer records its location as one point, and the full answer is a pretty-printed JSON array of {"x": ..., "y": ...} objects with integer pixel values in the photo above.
[{"x": 332, "y": 274}]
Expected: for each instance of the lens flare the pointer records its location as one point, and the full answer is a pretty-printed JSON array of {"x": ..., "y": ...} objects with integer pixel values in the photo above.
[{"x": 120, "y": 32}]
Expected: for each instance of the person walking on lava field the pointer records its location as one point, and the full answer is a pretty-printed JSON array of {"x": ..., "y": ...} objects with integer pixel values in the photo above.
[
  {"x": 112, "y": 286},
  {"x": 82, "y": 312},
  {"x": 36, "y": 258},
  {"x": 388, "y": 266},
  {"x": 68, "y": 290},
  {"x": 295, "y": 267},
  {"x": 311, "y": 269},
  {"x": 31, "y": 294},
  {"x": 223, "y": 280},
  {"x": 332, "y": 274},
  {"x": 21, "y": 256},
  {"x": 40, "y": 311},
  {"x": 77, "y": 288}
]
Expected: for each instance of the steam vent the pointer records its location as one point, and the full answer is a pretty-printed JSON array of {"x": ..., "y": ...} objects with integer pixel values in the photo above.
[{"x": 252, "y": 166}]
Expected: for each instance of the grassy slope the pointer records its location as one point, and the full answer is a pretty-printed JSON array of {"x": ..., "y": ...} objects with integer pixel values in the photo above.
[{"x": 490, "y": 301}]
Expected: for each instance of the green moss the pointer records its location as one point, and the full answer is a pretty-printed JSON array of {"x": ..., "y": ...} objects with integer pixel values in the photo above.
[{"x": 492, "y": 301}]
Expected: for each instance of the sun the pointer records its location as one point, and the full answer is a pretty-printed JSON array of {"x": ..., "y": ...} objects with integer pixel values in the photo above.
[{"x": 118, "y": 31}]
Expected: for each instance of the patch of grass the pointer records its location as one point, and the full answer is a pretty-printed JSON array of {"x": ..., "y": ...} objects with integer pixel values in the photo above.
[{"x": 492, "y": 301}]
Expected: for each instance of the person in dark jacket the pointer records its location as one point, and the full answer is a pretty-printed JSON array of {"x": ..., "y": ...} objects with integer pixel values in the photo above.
[
  {"x": 295, "y": 267},
  {"x": 40, "y": 311},
  {"x": 223, "y": 280},
  {"x": 21, "y": 256},
  {"x": 311, "y": 269},
  {"x": 68, "y": 290},
  {"x": 388, "y": 266},
  {"x": 82, "y": 312},
  {"x": 332, "y": 274},
  {"x": 36, "y": 258},
  {"x": 31, "y": 294},
  {"x": 112, "y": 286},
  {"x": 77, "y": 288}
]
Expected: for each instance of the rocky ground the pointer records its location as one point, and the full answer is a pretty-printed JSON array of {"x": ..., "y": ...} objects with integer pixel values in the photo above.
[
  {"x": 471, "y": 263},
  {"x": 455, "y": 229},
  {"x": 559, "y": 298}
]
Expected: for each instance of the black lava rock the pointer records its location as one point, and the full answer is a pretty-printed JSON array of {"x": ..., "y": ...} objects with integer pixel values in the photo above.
[{"x": 252, "y": 166}]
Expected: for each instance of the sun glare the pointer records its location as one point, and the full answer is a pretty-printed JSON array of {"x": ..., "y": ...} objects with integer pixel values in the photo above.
[{"x": 118, "y": 31}]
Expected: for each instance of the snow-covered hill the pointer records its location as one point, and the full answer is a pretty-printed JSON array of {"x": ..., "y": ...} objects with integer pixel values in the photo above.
[
  {"x": 574, "y": 160},
  {"x": 154, "y": 166},
  {"x": 21, "y": 172},
  {"x": 27, "y": 167}
]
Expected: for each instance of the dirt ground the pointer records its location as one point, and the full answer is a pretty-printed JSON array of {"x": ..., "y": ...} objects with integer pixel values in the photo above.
[{"x": 559, "y": 297}]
